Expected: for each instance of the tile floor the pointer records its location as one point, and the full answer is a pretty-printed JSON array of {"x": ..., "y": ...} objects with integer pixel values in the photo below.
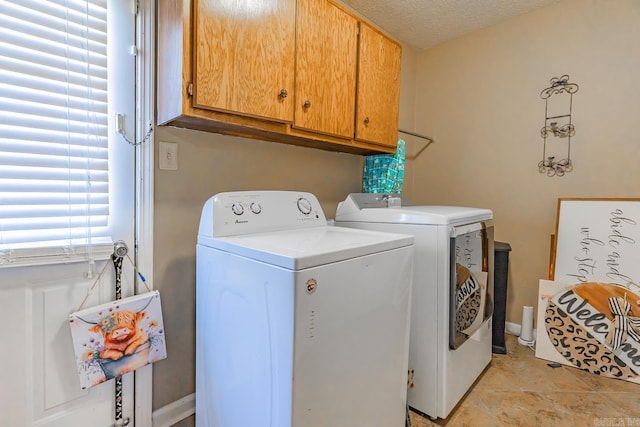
[{"x": 518, "y": 389}]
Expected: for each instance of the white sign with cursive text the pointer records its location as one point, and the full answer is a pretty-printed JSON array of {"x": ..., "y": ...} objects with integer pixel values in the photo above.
[{"x": 598, "y": 240}]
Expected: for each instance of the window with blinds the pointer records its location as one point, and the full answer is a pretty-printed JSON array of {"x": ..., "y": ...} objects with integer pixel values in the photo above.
[{"x": 53, "y": 125}]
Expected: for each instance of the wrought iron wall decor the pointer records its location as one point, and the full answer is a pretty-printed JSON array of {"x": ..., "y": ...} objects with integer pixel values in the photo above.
[{"x": 557, "y": 124}]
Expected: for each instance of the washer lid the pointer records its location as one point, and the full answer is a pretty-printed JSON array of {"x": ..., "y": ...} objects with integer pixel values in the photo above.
[
  {"x": 305, "y": 248},
  {"x": 361, "y": 207}
]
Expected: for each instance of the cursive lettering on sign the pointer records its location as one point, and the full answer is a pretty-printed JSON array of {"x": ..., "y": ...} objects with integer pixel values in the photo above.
[
  {"x": 586, "y": 268},
  {"x": 631, "y": 352},
  {"x": 613, "y": 263},
  {"x": 597, "y": 323},
  {"x": 468, "y": 256},
  {"x": 465, "y": 253},
  {"x": 617, "y": 222},
  {"x": 617, "y": 237},
  {"x": 466, "y": 290},
  {"x": 587, "y": 241}
]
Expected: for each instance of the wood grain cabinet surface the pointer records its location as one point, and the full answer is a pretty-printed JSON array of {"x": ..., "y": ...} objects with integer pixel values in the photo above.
[
  {"x": 326, "y": 66},
  {"x": 303, "y": 72},
  {"x": 378, "y": 93},
  {"x": 244, "y": 57}
]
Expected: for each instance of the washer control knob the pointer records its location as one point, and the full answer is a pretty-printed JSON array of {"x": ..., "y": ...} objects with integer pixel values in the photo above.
[
  {"x": 255, "y": 208},
  {"x": 304, "y": 206},
  {"x": 237, "y": 208}
]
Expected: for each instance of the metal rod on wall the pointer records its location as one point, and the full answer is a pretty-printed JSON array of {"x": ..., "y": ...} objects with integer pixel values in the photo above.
[
  {"x": 428, "y": 138},
  {"x": 417, "y": 135}
]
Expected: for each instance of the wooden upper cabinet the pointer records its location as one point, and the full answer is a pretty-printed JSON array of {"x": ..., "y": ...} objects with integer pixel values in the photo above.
[
  {"x": 244, "y": 57},
  {"x": 378, "y": 93},
  {"x": 222, "y": 66},
  {"x": 326, "y": 66}
]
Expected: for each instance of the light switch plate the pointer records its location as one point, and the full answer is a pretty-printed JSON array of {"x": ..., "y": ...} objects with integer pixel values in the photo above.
[{"x": 168, "y": 156}]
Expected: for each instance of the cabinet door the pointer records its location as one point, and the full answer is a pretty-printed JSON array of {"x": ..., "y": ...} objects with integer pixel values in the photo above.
[
  {"x": 244, "y": 57},
  {"x": 378, "y": 94},
  {"x": 326, "y": 60}
]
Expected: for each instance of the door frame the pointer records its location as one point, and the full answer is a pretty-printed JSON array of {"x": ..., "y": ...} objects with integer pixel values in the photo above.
[{"x": 144, "y": 165}]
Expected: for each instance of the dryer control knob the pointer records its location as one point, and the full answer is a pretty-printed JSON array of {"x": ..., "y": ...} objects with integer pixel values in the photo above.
[
  {"x": 304, "y": 206},
  {"x": 255, "y": 208},
  {"x": 237, "y": 208}
]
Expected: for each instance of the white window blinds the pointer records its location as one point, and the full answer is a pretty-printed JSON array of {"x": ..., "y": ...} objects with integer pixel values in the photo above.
[{"x": 53, "y": 124}]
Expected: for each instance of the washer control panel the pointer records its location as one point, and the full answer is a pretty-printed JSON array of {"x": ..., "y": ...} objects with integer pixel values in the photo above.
[{"x": 244, "y": 212}]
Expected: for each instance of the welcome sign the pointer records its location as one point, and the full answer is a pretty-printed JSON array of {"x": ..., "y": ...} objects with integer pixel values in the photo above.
[{"x": 591, "y": 326}]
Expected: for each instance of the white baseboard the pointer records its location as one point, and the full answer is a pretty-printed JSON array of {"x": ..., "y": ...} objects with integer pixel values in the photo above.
[
  {"x": 514, "y": 329},
  {"x": 174, "y": 412}
]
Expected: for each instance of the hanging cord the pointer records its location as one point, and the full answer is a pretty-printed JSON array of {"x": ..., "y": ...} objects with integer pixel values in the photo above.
[
  {"x": 142, "y": 278},
  {"x": 95, "y": 282}
]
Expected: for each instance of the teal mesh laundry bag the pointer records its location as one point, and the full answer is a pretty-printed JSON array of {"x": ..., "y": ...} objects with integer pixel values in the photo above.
[{"x": 384, "y": 173}]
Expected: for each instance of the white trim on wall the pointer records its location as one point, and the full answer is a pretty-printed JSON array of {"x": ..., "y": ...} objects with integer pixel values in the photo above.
[
  {"x": 145, "y": 99},
  {"x": 514, "y": 329},
  {"x": 174, "y": 412}
]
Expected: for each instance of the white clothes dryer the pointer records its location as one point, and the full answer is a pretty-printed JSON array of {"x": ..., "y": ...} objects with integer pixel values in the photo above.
[
  {"x": 452, "y": 305},
  {"x": 298, "y": 323}
]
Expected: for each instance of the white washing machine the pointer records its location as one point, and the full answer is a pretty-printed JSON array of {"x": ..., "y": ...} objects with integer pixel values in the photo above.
[
  {"x": 298, "y": 323},
  {"x": 452, "y": 305}
]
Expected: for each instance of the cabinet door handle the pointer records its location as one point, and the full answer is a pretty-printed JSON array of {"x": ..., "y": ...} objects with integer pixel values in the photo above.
[
  {"x": 306, "y": 104},
  {"x": 283, "y": 94},
  {"x": 366, "y": 120}
]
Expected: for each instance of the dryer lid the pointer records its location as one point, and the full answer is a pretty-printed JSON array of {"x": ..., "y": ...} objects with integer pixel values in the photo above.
[
  {"x": 371, "y": 207},
  {"x": 305, "y": 248}
]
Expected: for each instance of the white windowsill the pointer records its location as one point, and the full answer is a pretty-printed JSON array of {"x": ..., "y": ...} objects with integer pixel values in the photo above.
[{"x": 55, "y": 255}]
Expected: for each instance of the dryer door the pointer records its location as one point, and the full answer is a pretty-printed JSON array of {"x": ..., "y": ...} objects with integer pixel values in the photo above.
[{"x": 470, "y": 280}]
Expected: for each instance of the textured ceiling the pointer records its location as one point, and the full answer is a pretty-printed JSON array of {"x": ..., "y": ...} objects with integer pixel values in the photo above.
[{"x": 425, "y": 23}]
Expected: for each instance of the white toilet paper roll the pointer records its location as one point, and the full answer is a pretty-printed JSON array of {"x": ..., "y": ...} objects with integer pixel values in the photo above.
[{"x": 526, "y": 331}]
